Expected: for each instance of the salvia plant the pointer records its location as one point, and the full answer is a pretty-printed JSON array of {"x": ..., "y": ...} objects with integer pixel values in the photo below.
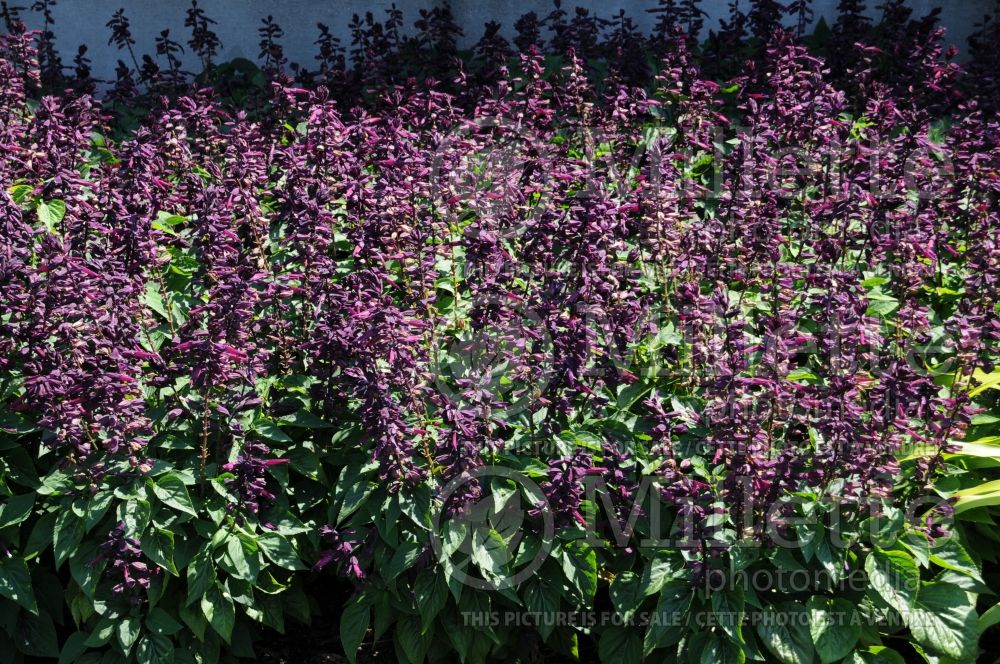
[{"x": 586, "y": 345}]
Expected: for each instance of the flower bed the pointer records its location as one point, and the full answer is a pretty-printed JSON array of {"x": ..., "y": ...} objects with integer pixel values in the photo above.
[{"x": 615, "y": 348}]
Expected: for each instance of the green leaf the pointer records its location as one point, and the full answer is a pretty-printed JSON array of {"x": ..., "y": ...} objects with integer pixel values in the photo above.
[
  {"x": 986, "y": 381},
  {"x": 666, "y": 624},
  {"x": 279, "y": 550},
  {"x": 986, "y": 494},
  {"x": 727, "y": 605},
  {"x": 74, "y": 647},
  {"x": 881, "y": 304},
  {"x": 919, "y": 547},
  {"x": 160, "y": 622},
  {"x": 410, "y": 639},
  {"x": 660, "y": 569},
  {"x": 988, "y": 447},
  {"x": 101, "y": 633},
  {"x": 894, "y": 576},
  {"x": 542, "y": 601},
  {"x": 271, "y": 431},
  {"x": 951, "y": 555},
  {"x": 875, "y": 655},
  {"x": 459, "y": 636},
  {"x": 217, "y": 605},
  {"x": 354, "y": 625},
  {"x": 785, "y": 632},
  {"x": 720, "y": 650},
  {"x": 990, "y": 618},
  {"x": 490, "y": 552},
  {"x": 502, "y": 490},
  {"x": 431, "y": 593},
  {"x": 305, "y": 420},
  {"x": 68, "y": 534},
  {"x": 630, "y": 394},
  {"x": 872, "y": 282},
  {"x": 170, "y": 489},
  {"x": 97, "y": 507},
  {"x": 127, "y": 631},
  {"x": 165, "y": 221},
  {"x": 579, "y": 563},
  {"x": 153, "y": 299},
  {"x": 239, "y": 557},
  {"x": 135, "y": 512},
  {"x": 158, "y": 545},
  {"x": 15, "y": 582},
  {"x": 304, "y": 460},
  {"x": 619, "y": 645},
  {"x": 626, "y": 594},
  {"x": 944, "y": 619},
  {"x": 403, "y": 559},
  {"x": 351, "y": 491},
  {"x": 155, "y": 649},
  {"x": 41, "y": 536},
  {"x": 20, "y": 192},
  {"x": 194, "y": 620},
  {"x": 966, "y": 583},
  {"x": 36, "y": 635},
  {"x": 274, "y": 614},
  {"x": 200, "y": 574},
  {"x": 16, "y": 509},
  {"x": 51, "y": 213},
  {"x": 87, "y": 571},
  {"x": 833, "y": 627},
  {"x": 418, "y": 506}
]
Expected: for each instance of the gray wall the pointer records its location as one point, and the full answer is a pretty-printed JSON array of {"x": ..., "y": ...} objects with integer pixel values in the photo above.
[{"x": 83, "y": 21}]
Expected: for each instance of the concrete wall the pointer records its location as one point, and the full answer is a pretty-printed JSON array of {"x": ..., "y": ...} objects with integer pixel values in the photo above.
[{"x": 83, "y": 21}]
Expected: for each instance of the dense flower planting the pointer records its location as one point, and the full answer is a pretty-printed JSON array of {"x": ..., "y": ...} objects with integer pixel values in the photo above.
[{"x": 594, "y": 345}]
